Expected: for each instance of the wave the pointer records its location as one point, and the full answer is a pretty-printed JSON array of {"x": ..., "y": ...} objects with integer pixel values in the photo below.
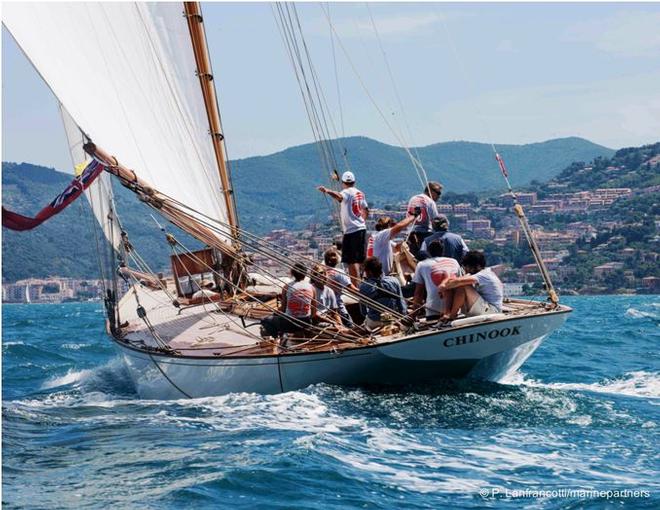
[
  {"x": 71, "y": 377},
  {"x": 631, "y": 384},
  {"x": 635, "y": 313},
  {"x": 11, "y": 343}
]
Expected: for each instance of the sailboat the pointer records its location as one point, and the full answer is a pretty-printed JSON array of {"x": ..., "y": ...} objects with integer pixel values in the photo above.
[{"x": 137, "y": 95}]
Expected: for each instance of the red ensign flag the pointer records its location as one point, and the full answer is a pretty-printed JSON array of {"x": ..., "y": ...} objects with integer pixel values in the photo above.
[{"x": 15, "y": 221}]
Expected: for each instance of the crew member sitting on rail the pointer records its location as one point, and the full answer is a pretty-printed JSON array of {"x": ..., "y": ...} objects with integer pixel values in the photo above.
[
  {"x": 385, "y": 290},
  {"x": 453, "y": 245},
  {"x": 424, "y": 203},
  {"x": 428, "y": 275},
  {"x": 478, "y": 293},
  {"x": 354, "y": 211},
  {"x": 296, "y": 306},
  {"x": 324, "y": 306},
  {"x": 381, "y": 243},
  {"x": 338, "y": 280}
]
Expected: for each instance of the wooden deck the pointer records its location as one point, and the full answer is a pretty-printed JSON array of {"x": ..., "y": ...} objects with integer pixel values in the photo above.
[{"x": 211, "y": 329}]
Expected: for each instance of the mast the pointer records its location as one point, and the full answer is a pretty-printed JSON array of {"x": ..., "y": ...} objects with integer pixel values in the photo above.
[{"x": 193, "y": 15}]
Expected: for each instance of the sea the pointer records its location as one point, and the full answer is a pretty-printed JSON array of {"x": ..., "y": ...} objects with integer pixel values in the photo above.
[{"x": 577, "y": 427}]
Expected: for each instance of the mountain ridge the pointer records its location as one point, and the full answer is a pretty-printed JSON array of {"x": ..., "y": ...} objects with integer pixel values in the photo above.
[
  {"x": 385, "y": 173},
  {"x": 264, "y": 203}
]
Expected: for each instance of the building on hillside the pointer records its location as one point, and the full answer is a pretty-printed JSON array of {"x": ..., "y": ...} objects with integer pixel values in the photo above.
[
  {"x": 607, "y": 269},
  {"x": 459, "y": 221},
  {"x": 609, "y": 195},
  {"x": 651, "y": 283},
  {"x": 525, "y": 199},
  {"x": 463, "y": 209}
]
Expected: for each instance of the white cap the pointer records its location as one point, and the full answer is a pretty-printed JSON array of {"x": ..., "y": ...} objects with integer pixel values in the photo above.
[{"x": 347, "y": 177}]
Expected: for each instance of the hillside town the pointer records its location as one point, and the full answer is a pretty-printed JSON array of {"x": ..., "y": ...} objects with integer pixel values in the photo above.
[
  {"x": 597, "y": 240},
  {"x": 491, "y": 225},
  {"x": 52, "y": 290},
  {"x": 488, "y": 224}
]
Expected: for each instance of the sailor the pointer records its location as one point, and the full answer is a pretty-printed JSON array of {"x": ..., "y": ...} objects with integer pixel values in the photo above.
[
  {"x": 295, "y": 308},
  {"x": 429, "y": 274},
  {"x": 381, "y": 243},
  {"x": 354, "y": 212},
  {"x": 479, "y": 292},
  {"x": 385, "y": 290},
  {"x": 338, "y": 280},
  {"x": 425, "y": 205},
  {"x": 453, "y": 245},
  {"x": 324, "y": 306}
]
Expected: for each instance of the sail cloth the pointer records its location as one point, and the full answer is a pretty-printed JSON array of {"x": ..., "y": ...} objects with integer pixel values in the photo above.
[
  {"x": 99, "y": 194},
  {"x": 15, "y": 221},
  {"x": 125, "y": 72}
]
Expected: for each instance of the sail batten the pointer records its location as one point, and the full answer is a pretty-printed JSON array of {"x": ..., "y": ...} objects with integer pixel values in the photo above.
[{"x": 125, "y": 73}]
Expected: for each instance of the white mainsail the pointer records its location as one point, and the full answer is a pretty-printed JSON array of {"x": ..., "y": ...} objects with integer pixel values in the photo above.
[{"x": 125, "y": 72}]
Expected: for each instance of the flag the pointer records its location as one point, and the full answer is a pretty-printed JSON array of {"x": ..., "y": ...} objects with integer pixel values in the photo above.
[
  {"x": 84, "y": 178},
  {"x": 500, "y": 162}
]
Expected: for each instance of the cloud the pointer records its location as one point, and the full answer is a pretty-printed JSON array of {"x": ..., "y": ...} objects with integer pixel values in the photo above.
[
  {"x": 624, "y": 34},
  {"x": 615, "y": 112},
  {"x": 387, "y": 25}
]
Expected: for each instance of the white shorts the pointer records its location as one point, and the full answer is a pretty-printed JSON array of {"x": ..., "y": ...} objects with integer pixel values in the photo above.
[{"x": 481, "y": 307}]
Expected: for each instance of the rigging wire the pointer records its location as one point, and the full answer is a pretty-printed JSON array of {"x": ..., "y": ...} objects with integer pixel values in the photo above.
[
  {"x": 295, "y": 320},
  {"x": 291, "y": 32},
  {"x": 344, "y": 152},
  {"x": 273, "y": 252},
  {"x": 397, "y": 135},
  {"x": 396, "y": 93},
  {"x": 527, "y": 230}
]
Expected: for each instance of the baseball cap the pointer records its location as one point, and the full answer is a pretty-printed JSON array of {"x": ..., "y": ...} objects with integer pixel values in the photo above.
[{"x": 347, "y": 177}]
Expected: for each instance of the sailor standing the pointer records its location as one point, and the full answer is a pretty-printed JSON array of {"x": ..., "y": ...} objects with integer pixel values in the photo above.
[
  {"x": 425, "y": 208},
  {"x": 354, "y": 212}
]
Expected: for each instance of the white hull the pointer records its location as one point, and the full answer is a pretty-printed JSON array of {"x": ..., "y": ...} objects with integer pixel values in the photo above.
[{"x": 487, "y": 351}]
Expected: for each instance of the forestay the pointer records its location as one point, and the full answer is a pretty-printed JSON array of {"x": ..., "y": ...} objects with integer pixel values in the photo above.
[{"x": 125, "y": 72}]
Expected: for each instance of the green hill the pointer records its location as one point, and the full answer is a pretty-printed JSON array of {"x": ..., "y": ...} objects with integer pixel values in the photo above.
[
  {"x": 63, "y": 245},
  {"x": 272, "y": 192},
  {"x": 631, "y": 167},
  {"x": 279, "y": 189}
]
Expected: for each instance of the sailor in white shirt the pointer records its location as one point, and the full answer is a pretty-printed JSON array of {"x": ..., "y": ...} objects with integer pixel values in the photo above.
[
  {"x": 429, "y": 274},
  {"x": 338, "y": 280},
  {"x": 425, "y": 205},
  {"x": 381, "y": 243},
  {"x": 354, "y": 213},
  {"x": 480, "y": 292},
  {"x": 324, "y": 306}
]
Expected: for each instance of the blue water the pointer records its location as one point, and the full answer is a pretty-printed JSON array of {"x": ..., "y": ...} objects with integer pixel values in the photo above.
[{"x": 583, "y": 414}]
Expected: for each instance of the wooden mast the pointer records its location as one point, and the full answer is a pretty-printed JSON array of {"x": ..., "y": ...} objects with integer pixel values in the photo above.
[{"x": 198, "y": 37}]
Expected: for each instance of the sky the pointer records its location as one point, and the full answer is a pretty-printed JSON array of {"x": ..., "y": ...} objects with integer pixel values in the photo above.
[{"x": 504, "y": 73}]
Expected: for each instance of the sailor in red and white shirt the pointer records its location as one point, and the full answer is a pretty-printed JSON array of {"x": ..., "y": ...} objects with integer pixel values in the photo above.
[
  {"x": 425, "y": 205},
  {"x": 429, "y": 275},
  {"x": 354, "y": 212},
  {"x": 296, "y": 306}
]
